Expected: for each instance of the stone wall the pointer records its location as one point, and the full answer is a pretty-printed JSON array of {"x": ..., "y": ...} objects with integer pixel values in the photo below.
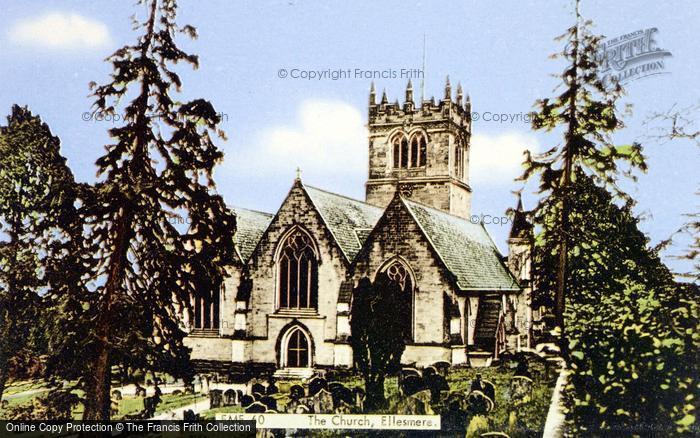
[
  {"x": 264, "y": 322},
  {"x": 397, "y": 235}
]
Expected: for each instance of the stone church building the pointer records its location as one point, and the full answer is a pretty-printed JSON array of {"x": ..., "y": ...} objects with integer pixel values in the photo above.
[{"x": 285, "y": 305}]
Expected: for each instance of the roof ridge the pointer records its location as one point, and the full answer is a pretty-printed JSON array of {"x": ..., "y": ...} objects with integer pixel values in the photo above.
[
  {"x": 342, "y": 196},
  {"x": 440, "y": 211},
  {"x": 234, "y": 207}
]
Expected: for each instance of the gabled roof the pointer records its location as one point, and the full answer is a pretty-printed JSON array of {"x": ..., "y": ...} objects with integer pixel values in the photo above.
[
  {"x": 250, "y": 226},
  {"x": 466, "y": 249},
  {"x": 348, "y": 220}
]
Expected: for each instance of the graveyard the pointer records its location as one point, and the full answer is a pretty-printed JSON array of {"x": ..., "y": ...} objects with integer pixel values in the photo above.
[{"x": 512, "y": 398}]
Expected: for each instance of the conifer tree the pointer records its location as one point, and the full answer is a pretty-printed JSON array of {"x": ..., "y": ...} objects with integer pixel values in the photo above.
[
  {"x": 37, "y": 196},
  {"x": 159, "y": 166},
  {"x": 585, "y": 114}
]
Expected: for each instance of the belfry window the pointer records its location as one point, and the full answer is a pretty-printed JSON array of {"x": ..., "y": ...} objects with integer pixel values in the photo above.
[
  {"x": 297, "y": 272},
  {"x": 407, "y": 154}
]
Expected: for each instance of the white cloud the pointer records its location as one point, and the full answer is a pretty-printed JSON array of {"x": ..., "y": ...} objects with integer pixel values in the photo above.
[
  {"x": 329, "y": 138},
  {"x": 62, "y": 31},
  {"x": 497, "y": 159}
]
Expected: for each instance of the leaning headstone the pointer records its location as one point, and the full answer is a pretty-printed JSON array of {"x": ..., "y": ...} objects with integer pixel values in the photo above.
[
  {"x": 256, "y": 408},
  {"x": 341, "y": 394},
  {"x": 116, "y": 394},
  {"x": 230, "y": 397},
  {"x": 490, "y": 390},
  {"x": 411, "y": 385},
  {"x": 215, "y": 398},
  {"x": 317, "y": 384},
  {"x": 322, "y": 402}
]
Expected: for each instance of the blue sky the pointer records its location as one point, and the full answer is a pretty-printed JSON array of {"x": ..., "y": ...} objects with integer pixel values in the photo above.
[{"x": 51, "y": 50}]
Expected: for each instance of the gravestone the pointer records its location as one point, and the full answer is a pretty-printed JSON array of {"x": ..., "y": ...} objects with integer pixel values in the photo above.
[
  {"x": 257, "y": 387},
  {"x": 478, "y": 403},
  {"x": 416, "y": 404},
  {"x": 341, "y": 394},
  {"x": 256, "y": 408},
  {"x": 117, "y": 394},
  {"x": 272, "y": 389},
  {"x": 322, "y": 402},
  {"x": 270, "y": 402},
  {"x": 436, "y": 384},
  {"x": 230, "y": 397},
  {"x": 442, "y": 367},
  {"x": 247, "y": 400},
  {"x": 317, "y": 384},
  {"x": 429, "y": 371},
  {"x": 296, "y": 392},
  {"x": 215, "y": 398},
  {"x": 521, "y": 389},
  {"x": 411, "y": 385},
  {"x": 453, "y": 419},
  {"x": 190, "y": 416},
  {"x": 405, "y": 372}
]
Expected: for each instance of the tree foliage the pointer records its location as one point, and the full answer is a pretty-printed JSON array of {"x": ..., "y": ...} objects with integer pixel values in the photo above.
[
  {"x": 585, "y": 112},
  {"x": 159, "y": 166},
  {"x": 378, "y": 333},
  {"x": 37, "y": 196}
]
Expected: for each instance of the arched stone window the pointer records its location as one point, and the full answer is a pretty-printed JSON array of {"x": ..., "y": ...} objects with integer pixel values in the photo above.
[
  {"x": 418, "y": 150},
  {"x": 459, "y": 161},
  {"x": 396, "y": 271},
  {"x": 296, "y": 348},
  {"x": 297, "y": 272},
  {"x": 400, "y": 151}
]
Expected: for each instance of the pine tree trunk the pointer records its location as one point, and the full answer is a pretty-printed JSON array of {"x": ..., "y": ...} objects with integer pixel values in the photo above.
[
  {"x": 98, "y": 391},
  {"x": 374, "y": 388}
]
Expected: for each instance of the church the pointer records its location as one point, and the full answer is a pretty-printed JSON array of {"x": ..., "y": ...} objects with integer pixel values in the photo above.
[{"x": 285, "y": 305}]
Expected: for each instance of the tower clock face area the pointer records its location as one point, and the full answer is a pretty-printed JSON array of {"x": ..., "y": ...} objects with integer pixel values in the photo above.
[{"x": 420, "y": 149}]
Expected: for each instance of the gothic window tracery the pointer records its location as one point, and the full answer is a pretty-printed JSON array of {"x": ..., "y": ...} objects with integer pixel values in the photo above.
[{"x": 297, "y": 273}]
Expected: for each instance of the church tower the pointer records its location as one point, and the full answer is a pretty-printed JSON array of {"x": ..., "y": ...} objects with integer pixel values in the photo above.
[{"x": 421, "y": 151}]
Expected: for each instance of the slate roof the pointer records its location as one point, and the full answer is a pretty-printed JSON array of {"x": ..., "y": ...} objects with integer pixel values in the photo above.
[
  {"x": 465, "y": 248},
  {"x": 250, "y": 226},
  {"x": 346, "y": 218}
]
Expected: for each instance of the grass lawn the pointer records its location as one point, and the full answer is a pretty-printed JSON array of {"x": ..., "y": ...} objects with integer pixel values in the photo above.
[{"x": 129, "y": 405}]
